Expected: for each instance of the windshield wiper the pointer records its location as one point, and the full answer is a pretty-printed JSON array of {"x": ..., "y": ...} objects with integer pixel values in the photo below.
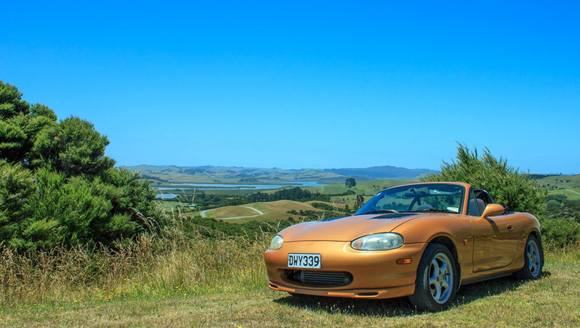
[
  {"x": 380, "y": 212},
  {"x": 434, "y": 210}
]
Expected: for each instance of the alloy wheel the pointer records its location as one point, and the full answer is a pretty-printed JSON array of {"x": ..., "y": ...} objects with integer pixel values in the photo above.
[
  {"x": 440, "y": 278},
  {"x": 534, "y": 258}
]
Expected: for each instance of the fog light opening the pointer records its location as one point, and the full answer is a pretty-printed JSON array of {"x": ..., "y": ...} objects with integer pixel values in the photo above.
[{"x": 369, "y": 294}]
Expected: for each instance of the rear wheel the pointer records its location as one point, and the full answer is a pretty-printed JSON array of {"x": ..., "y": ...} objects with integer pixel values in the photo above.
[
  {"x": 436, "y": 279},
  {"x": 533, "y": 259}
]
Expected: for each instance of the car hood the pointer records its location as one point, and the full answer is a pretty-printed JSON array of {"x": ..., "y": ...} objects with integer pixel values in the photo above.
[{"x": 347, "y": 228}]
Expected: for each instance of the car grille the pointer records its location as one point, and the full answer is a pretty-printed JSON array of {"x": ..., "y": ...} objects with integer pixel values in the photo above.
[{"x": 319, "y": 278}]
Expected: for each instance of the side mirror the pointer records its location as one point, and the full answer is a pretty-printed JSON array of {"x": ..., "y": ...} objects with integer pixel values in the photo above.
[{"x": 493, "y": 210}]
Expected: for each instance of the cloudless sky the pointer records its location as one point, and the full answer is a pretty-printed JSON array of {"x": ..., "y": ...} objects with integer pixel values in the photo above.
[{"x": 298, "y": 84}]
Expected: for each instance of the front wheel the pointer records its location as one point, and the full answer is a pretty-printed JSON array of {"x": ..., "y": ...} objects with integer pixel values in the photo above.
[
  {"x": 533, "y": 259},
  {"x": 436, "y": 279}
]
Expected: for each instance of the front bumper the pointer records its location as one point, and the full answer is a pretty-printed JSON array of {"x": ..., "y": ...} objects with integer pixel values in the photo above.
[{"x": 375, "y": 274}]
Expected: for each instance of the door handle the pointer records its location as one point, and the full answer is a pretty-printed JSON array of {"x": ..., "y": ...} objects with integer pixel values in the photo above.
[{"x": 510, "y": 227}]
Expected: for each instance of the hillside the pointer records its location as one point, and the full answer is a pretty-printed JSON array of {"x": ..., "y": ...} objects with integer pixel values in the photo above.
[
  {"x": 220, "y": 174},
  {"x": 553, "y": 182},
  {"x": 279, "y": 210},
  {"x": 382, "y": 172},
  {"x": 566, "y": 185}
]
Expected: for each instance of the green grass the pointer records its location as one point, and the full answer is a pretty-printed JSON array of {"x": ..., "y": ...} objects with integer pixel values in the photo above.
[
  {"x": 553, "y": 301},
  {"x": 276, "y": 210},
  {"x": 560, "y": 181},
  {"x": 231, "y": 211},
  {"x": 567, "y": 185},
  {"x": 571, "y": 194}
]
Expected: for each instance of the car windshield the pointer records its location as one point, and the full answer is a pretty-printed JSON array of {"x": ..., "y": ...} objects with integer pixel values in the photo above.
[{"x": 438, "y": 198}]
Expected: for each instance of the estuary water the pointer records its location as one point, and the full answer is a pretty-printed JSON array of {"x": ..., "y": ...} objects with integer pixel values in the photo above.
[{"x": 166, "y": 191}]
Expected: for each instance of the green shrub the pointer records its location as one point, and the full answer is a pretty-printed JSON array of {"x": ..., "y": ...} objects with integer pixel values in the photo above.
[
  {"x": 559, "y": 206},
  {"x": 16, "y": 187},
  {"x": 516, "y": 191},
  {"x": 560, "y": 232},
  {"x": 57, "y": 187},
  {"x": 72, "y": 147},
  {"x": 505, "y": 184}
]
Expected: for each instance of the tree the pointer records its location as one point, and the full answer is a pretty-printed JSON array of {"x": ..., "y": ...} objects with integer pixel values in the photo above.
[
  {"x": 73, "y": 147},
  {"x": 16, "y": 188},
  {"x": 57, "y": 187},
  {"x": 20, "y": 124},
  {"x": 11, "y": 103},
  {"x": 350, "y": 183}
]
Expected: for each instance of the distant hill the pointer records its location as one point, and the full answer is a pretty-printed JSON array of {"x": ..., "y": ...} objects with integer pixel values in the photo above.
[
  {"x": 382, "y": 172},
  {"x": 222, "y": 174}
]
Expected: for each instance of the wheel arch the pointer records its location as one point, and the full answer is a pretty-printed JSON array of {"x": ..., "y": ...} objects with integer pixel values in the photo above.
[
  {"x": 447, "y": 241},
  {"x": 535, "y": 229},
  {"x": 536, "y": 233}
]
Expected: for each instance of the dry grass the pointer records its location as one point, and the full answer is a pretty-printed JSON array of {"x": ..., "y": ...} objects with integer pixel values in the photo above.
[
  {"x": 180, "y": 281},
  {"x": 146, "y": 268},
  {"x": 553, "y": 301}
]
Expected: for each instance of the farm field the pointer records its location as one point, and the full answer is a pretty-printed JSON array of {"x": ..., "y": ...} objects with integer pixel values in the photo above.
[
  {"x": 572, "y": 194},
  {"x": 553, "y": 301},
  {"x": 279, "y": 209},
  {"x": 263, "y": 211}
]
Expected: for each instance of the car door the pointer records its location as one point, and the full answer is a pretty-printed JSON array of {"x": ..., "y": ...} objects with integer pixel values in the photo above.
[{"x": 493, "y": 239}]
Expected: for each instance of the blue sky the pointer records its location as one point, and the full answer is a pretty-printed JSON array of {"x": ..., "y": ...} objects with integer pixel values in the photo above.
[{"x": 307, "y": 83}]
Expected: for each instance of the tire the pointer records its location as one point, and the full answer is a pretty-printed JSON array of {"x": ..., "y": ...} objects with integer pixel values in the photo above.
[
  {"x": 435, "y": 291},
  {"x": 533, "y": 260}
]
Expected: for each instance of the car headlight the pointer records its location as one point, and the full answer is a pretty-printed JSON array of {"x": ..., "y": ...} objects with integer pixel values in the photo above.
[
  {"x": 276, "y": 243},
  {"x": 378, "y": 242}
]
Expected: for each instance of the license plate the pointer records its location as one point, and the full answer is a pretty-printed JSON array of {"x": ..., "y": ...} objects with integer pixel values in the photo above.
[{"x": 304, "y": 261}]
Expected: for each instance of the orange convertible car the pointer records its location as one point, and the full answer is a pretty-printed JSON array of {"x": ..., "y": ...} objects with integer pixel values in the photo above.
[{"x": 420, "y": 240}]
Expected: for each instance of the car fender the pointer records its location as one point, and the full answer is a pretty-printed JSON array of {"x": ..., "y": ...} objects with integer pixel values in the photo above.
[{"x": 444, "y": 230}]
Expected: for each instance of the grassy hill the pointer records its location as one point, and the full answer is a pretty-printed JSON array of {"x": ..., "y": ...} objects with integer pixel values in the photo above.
[
  {"x": 560, "y": 181},
  {"x": 219, "y": 174},
  {"x": 266, "y": 211},
  {"x": 567, "y": 185},
  {"x": 572, "y": 194}
]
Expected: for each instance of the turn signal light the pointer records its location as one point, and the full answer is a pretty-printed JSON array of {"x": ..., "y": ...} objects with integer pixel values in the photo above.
[{"x": 404, "y": 261}]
